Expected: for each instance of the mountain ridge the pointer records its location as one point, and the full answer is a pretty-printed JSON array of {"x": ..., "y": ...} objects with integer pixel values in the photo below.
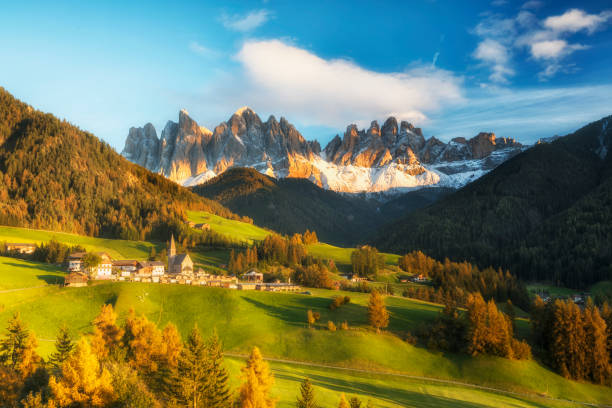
[{"x": 374, "y": 160}]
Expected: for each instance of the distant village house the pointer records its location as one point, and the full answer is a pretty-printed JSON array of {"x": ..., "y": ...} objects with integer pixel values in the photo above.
[{"x": 21, "y": 248}]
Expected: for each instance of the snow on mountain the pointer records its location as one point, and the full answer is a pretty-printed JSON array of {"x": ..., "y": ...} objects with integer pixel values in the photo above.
[{"x": 390, "y": 158}]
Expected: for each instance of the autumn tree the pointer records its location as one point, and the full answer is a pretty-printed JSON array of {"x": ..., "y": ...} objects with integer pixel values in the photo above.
[
  {"x": 107, "y": 335},
  {"x": 377, "y": 311},
  {"x": 83, "y": 381},
  {"x": 63, "y": 348},
  {"x": 343, "y": 402},
  {"x": 255, "y": 391},
  {"x": 306, "y": 399}
]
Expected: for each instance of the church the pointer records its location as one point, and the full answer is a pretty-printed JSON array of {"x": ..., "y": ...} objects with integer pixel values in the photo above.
[{"x": 180, "y": 264}]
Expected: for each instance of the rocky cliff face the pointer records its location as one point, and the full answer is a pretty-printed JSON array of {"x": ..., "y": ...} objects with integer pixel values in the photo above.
[{"x": 376, "y": 159}]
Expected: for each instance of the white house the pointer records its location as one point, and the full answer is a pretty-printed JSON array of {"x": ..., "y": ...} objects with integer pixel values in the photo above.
[{"x": 104, "y": 270}]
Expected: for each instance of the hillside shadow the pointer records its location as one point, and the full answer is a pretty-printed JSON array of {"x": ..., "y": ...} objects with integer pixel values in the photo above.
[
  {"x": 384, "y": 392},
  {"x": 37, "y": 266},
  {"x": 292, "y": 316},
  {"x": 51, "y": 279}
]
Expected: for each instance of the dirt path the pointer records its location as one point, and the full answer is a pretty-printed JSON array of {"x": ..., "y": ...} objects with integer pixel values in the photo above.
[{"x": 430, "y": 379}]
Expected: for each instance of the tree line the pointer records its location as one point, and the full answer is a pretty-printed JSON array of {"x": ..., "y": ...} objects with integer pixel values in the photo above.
[{"x": 133, "y": 365}]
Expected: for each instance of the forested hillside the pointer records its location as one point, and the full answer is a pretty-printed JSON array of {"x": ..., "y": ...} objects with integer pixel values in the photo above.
[
  {"x": 58, "y": 177},
  {"x": 294, "y": 205},
  {"x": 291, "y": 205},
  {"x": 545, "y": 214}
]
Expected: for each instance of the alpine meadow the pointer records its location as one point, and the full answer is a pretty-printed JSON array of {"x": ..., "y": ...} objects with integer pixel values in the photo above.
[{"x": 269, "y": 204}]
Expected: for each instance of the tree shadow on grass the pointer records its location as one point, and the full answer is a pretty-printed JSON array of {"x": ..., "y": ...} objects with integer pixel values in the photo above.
[
  {"x": 292, "y": 315},
  {"x": 51, "y": 279},
  {"x": 384, "y": 393}
]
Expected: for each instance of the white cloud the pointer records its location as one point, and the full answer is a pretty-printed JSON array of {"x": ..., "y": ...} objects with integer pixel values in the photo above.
[
  {"x": 532, "y": 4},
  {"x": 278, "y": 77},
  {"x": 546, "y": 41},
  {"x": 495, "y": 55},
  {"x": 553, "y": 49},
  {"x": 247, "y": 22},
  {"x": 201, "y": 49},
  {"x": 575, "y": 20}
]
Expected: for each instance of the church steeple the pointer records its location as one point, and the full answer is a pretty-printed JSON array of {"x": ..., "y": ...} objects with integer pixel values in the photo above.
[{"x": 171, "y": 248}]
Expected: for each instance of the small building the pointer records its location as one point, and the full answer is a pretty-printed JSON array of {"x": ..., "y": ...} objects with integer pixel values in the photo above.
[
  {"x": 247, "y": 285},
  {"x": 178, "y": 264},
  {"x": 278, "y": 287},
  {"x": 191, "y": 224},
  {"x": 104, "y": 270},
  {"x": 126, "y": 268},
  {"x": 75, "y": 261},
  {"x": 253, "y": 275},
  {"x": 76, "y": 279},
  {"x": 203, "y": 227},
  {"x": 20, "y": 248},
  {"x": 154, "y": 268}
]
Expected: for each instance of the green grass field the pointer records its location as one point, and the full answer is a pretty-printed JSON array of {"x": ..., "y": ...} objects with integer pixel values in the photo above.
[
  {"x": 236, "y": 229},
  {"x": 116, "y": 248},
  {"x": 276, "y": 323}
]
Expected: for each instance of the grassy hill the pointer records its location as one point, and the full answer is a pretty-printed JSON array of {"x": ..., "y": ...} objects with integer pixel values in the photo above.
[
  {"x": 276, "y": 323},
  {"x": 544, "y": 214}
]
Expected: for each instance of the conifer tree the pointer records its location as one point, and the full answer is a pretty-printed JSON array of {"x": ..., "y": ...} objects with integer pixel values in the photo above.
[
  {"x": 254, "y": 392},
  {"x": 598, "y": 359},
  {"x": 18, "y": 348},
  {"x": 377, "y": 311},
  {"x": 83, "y": 382},
  {"x": 307, "y": 396},
  {"x": 63, "y": 348},
  {"x": 355, "y": 402},
  {"x": 191, "y": 375},
  {"x": 217, "y": 392}
]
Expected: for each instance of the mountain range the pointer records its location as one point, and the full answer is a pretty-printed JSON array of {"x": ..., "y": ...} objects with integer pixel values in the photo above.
[
  {"x": 388, "y": 158},
  {"x": 545, "y": 214}
]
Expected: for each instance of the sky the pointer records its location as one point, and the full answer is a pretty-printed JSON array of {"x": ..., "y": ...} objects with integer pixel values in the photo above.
[{"x": 522, "y": 69}]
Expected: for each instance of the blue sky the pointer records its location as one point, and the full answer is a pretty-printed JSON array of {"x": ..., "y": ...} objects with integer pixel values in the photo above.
[{"x": 524, "y": 69}]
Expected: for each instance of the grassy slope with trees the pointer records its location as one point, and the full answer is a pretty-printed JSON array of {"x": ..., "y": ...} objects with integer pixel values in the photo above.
[
  {"x": 277, "y": 324},
  {"x": 58, "y": 177},
  {"x": 544, "y": 214}
]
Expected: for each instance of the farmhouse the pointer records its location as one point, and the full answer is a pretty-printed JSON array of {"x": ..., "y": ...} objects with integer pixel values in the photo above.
[
  {"x": 203, "y": 227},
  {"x": 75, "y": 261},
  {"x": 104, "y": 270},
  {"x": 76, "y": 279},
  {"x": 21, "y": 248},
  {"x": 126, "y": 268},
  {"x": 180, "y": 264},
  {"x": 253, "y": 275}
]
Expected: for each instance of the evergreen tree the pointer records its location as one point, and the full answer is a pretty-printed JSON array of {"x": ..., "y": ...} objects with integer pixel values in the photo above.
[
  {"x": 191, "y": 375},
  {"x": 217, "y": 392},
  {"x": 254, "y": 392},
  {"x": 63, "y": 348},
  {"x": 18, "y": 348},
  {"x": 355, "y": 402},
  {"x": 377, "y": 311},
  {"x": 307, "y": 397},
  {"x": 598, "y": 359}
]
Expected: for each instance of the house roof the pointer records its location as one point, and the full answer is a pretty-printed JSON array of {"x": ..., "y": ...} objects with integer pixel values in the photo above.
[
  {"x": 152, "y": 263},
  {"x": 253, "y": 272},
  {"x": 76, "y": 277},
  {"x": 77, "y": 255},
  {"x": 125, "y": 262},
  {"x": 180, "y": 258}
]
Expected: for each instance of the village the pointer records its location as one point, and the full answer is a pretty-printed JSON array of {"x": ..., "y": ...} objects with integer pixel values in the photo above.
[{"x": 180, "y": 270}]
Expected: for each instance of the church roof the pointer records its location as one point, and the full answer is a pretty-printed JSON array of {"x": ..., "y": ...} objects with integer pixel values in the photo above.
[{"x": 180, "y": 258}]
